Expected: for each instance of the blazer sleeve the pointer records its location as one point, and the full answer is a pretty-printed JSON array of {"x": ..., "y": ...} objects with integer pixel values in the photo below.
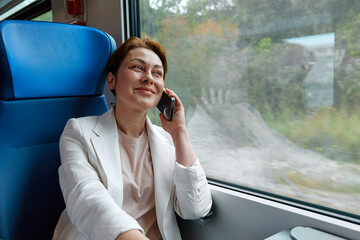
[
  {"x": 89, "y": 206},
  {"x": 193, "y": 196}
]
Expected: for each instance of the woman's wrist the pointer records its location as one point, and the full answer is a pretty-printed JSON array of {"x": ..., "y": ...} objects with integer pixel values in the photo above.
[
  {"x": 185, "y": 154},
  {"x": 179, "y": 134}
]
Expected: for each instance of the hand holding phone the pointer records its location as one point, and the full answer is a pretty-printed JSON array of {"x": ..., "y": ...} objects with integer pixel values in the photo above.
[{"x": 166, "y": 105}]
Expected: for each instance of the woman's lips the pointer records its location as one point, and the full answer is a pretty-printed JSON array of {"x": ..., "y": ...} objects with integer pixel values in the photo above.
[{"x": 145, "y": 90}]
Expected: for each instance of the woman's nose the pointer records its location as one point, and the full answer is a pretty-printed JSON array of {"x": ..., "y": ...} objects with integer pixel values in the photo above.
[{"x": 148, "y": 78}]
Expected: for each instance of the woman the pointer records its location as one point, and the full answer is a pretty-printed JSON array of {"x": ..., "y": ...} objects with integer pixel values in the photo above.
[{"x": 121, "y": 176}]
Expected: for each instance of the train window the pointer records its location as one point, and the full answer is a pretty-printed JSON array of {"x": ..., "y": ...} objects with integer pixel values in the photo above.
[
  {"x": 47, "y": 17},
  {"x": 271, "y": 91}
]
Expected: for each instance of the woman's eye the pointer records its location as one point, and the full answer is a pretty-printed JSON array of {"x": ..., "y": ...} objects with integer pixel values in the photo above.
[
  {"x": 137, "y": 67},
  {"x": 159, "y": 74}
]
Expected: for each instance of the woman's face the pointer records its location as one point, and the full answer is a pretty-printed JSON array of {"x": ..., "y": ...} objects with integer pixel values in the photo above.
[{"x": 139, "y": 81}]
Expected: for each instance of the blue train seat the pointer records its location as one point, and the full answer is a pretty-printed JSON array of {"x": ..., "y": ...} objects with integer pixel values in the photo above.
[{"x": 49, "y": 72}]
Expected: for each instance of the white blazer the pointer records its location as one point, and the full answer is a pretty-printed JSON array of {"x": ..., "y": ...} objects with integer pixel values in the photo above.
[{"x": 92, "y": 185}]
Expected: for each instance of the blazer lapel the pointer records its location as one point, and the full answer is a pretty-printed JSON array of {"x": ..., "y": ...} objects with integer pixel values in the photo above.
[
  {"x": 163, "y": 157},
  {"x": 106, "y": 148}
]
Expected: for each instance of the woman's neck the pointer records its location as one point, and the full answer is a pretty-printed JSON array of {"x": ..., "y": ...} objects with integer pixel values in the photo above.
[{"x": 132, "y": 123}]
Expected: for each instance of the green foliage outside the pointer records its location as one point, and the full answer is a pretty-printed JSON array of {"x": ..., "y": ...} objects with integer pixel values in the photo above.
[
  {"x": 238, "y": 46},
  {"x": 46, "y": 17}
]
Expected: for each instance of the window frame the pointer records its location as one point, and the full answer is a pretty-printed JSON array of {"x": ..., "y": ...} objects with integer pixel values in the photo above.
[
  {"x": 33, "y": 10},
  {"x": 9, "y": 5}
]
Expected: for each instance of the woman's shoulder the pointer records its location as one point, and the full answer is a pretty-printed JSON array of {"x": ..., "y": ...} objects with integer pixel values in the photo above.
[
  {"x": 82, "y": 122},
  {"x": 86, "y": 125}
]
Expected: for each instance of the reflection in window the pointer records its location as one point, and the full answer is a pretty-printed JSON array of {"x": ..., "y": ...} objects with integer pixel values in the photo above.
[{"x": 271, "y": 91}]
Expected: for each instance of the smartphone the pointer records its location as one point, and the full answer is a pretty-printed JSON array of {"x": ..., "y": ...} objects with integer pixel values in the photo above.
[{"x": 166, "y": 105}]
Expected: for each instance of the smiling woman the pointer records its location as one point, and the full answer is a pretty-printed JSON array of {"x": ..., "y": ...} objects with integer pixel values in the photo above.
[
  {"x": 122, "y": 169},
  {"x": 138, "y": 82}
]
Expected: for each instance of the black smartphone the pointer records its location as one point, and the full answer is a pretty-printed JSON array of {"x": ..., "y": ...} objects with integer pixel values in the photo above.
[{"x": 166, "y": 105}]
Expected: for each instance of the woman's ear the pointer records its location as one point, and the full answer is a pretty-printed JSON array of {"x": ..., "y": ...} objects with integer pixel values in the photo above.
[{"x": 111, "y": 81}]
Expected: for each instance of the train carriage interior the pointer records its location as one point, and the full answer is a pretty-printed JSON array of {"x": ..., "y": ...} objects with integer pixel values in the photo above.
[{"x": 271, "y": 91}]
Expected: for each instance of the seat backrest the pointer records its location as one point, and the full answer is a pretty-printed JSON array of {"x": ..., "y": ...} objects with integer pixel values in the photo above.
[{"x": 49, "y": 72}]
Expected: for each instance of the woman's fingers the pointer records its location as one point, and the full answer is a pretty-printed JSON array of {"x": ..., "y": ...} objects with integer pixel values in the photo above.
[{"x": 178, "y": 103}]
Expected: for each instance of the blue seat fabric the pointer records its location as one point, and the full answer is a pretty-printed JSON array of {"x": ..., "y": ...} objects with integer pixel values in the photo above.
[{"x": 49, "y": 73}]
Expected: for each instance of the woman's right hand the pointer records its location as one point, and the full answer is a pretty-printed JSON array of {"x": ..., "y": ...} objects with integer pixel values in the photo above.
[{"x": 132, "y": 235}]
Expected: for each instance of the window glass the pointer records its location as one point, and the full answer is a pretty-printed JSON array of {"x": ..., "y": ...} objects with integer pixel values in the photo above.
[
  {"x": 47, "y": 17},
  {"x": 271, "y": 91}
]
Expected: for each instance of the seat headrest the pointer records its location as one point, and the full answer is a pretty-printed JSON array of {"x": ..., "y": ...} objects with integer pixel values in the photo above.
[{"x": 46, "y": 59}]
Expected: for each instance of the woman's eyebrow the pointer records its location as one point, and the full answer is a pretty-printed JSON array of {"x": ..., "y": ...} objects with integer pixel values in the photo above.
[{"x": 143, "y": 62}]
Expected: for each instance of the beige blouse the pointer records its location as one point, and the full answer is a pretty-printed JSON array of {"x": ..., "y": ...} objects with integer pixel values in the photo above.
[{"x": 138, "y": 182}]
